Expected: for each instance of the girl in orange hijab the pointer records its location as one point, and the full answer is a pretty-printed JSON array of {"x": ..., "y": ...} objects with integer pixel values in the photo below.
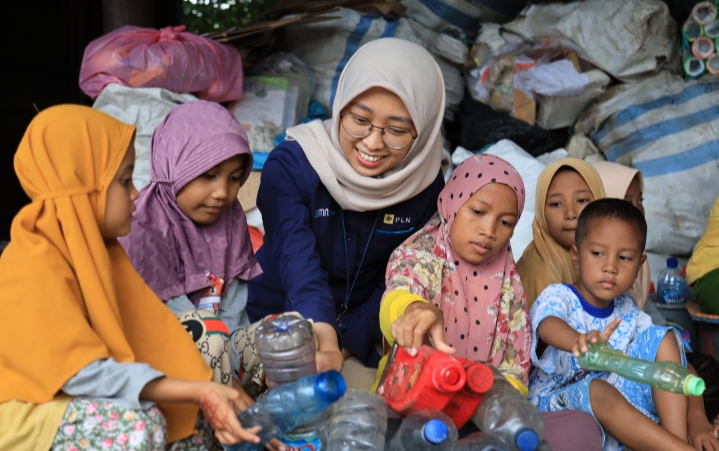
[
  {"x": 90, "y": 358},
  {"x": 564, "y": 188}
]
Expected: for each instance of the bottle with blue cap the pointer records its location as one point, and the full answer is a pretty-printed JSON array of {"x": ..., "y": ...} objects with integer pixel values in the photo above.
[
  {"x": 506, "y": 413},
  {"x": 289, "y": 406},
  {"x": 425, "y": 430},
  {"x": 482, "y": 441},
  {"x": 671, "y": 286},
  {"x": 286, "y": 347}
]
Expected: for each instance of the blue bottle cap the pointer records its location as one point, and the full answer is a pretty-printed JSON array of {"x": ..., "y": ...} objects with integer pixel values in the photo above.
[
  {"x": 526, "y": 440},
  {"x": 672, "y": 262},
  {"x": 330, "y": 385},
  {"x": 281, "y": 324},
  {"x": 435, "y": 431}
]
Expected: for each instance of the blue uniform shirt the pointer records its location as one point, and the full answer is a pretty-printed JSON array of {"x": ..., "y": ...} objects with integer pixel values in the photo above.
[{"x": 303, "y": 257}]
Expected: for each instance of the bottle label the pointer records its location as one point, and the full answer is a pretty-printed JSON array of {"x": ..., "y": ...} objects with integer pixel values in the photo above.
[
  {"x": 672, "y": 296},
  {"x": 302, "y": 442}
]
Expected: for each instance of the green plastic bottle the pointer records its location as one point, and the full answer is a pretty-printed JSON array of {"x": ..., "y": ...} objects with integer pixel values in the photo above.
[{"x": 667, "y": 376}]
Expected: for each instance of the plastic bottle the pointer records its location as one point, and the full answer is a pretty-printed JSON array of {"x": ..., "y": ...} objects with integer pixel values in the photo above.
[
  {"x": 668, "y": 376},
  {"x": 671, "y": 286},
  {"x": 425, "y": 430},
  {"x": 428, "y": 380},
  {"x": 481, "y": 441},
  {"x": 286, "y": 347},
  {"x": 358, "y": 422},
  {"x": 288, "y": 406},
  {"x": 507, "y": 414}
]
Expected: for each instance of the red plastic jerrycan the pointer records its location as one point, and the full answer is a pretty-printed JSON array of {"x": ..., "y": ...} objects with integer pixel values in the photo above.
[
  {"x": 428, "y": 380},
  {"x": 465, "y": 402}
]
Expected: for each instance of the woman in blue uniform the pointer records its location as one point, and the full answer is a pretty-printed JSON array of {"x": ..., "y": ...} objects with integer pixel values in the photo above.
[{"x": 339, "y": 196}]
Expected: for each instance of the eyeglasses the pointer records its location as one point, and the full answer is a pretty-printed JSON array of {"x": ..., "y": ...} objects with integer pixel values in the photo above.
[{"x": 396, "y": 138}]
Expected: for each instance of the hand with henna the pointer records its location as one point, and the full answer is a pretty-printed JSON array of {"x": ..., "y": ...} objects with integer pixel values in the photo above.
[{"x": 218, "y": 403}]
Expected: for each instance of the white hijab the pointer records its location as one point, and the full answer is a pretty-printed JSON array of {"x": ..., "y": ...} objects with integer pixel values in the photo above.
[{"x": 410, "y": 72}]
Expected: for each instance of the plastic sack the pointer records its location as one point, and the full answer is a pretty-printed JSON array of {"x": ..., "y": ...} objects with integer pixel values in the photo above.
[
  {"x": 626, "y": 38},
  {"x": 327, "y": 46},
  {"x": 668, "y": 129},
  {"x": 455, "y": 16},
  {"x": 169, "y": 58},
  {"x": 144, "y": 108}
]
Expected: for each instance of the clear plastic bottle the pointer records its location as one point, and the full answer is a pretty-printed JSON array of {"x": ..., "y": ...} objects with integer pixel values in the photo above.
[
  {"x": 425, "y": 430},
  {"x": 506, "y": 413},
  {"x": 286, "y": 407},
  {"x": 358, "y": 422},
  {"x": 668, "y": 376},
  {"x": 286, "y": 346},
  {"x": 671, "y": 286},
  {"x": 481, "y": 441}
]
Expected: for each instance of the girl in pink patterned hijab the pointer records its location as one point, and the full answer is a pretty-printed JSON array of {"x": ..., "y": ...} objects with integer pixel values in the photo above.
[{"x": 456, "y": 279}]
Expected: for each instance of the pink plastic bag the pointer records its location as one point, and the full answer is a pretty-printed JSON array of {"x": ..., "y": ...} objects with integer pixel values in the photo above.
[{"x": 170, "y": 58}]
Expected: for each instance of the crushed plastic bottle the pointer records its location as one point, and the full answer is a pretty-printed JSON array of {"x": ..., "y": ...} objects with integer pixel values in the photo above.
[
  {"x": 358, "y": 422},
  {"x": 667, "y": 376},
  {"x": 481, "y": 441},
  {"x": 425, "y": 430},
  {"x": 286, "y": 347},
  {"x": 507, "y": 414},
  {"x": 290, "y": 405}
]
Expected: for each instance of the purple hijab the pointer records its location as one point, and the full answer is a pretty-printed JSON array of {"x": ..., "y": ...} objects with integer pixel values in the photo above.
[{"x": 168, "y": 249}]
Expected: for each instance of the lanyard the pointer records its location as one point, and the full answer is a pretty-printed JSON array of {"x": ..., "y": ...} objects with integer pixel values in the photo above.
[{"x": 350, "y": 287}]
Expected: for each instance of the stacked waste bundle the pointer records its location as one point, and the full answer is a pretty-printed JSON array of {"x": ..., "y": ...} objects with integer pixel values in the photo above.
[{"x": 700, "y": 39}]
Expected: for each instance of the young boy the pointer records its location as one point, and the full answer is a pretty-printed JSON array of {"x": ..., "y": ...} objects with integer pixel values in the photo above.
[{"x": 609, "y": 251}]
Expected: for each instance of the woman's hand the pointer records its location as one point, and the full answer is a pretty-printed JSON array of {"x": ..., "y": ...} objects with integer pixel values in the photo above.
[
  {"x": 220, "y": 405},
  {"x": 420, "y": 319},
  {"x": 329, "y": 360},
  {"x": 580, "y": 346},
  {"x": 329, "y": 356}
]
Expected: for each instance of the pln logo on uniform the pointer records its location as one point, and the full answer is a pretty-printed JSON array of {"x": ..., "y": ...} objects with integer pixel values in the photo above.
[{"x": 389, "y": 219}]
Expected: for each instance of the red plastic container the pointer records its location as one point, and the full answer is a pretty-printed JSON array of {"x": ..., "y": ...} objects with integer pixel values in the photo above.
[
  {"x": 465, "y": 402},
  {"x": 434, "y": 380}
]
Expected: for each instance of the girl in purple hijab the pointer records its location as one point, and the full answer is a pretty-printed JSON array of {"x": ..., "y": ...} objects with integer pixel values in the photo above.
[{"x": 189, "y": 237}]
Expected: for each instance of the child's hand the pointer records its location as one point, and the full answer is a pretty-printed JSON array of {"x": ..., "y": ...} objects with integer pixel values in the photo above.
[
  {"x": 420, "y": 318},
  {"x": 594, "y": 336},
  {"x": 703, "y": 436},
  {"x": 220, "y": 405}
]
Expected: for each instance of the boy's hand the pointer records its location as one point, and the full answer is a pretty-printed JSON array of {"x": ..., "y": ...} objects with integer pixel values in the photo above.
[
  {"x": 219, "y": 404},
  {"x": 703, "y": 436},
  {"x": 419, "y": 319},
  {"x": 594, "y": 336}
]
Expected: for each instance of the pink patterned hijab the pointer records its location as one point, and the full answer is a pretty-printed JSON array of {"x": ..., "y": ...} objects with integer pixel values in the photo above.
[
  {"x": 485, "y": 310},
  {"x": 167, "y": 248}
]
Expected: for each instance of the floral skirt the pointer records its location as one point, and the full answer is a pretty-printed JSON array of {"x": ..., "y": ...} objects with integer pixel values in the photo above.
[{"x": 99, "y": 425}]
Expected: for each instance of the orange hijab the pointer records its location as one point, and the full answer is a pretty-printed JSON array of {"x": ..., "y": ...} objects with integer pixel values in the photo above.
[
  {"x": 545, "y": 261},
  {"x": 68, "y": 297}
]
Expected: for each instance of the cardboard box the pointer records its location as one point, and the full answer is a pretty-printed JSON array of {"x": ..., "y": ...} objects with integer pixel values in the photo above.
[{"x": 248, "y": 193}]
